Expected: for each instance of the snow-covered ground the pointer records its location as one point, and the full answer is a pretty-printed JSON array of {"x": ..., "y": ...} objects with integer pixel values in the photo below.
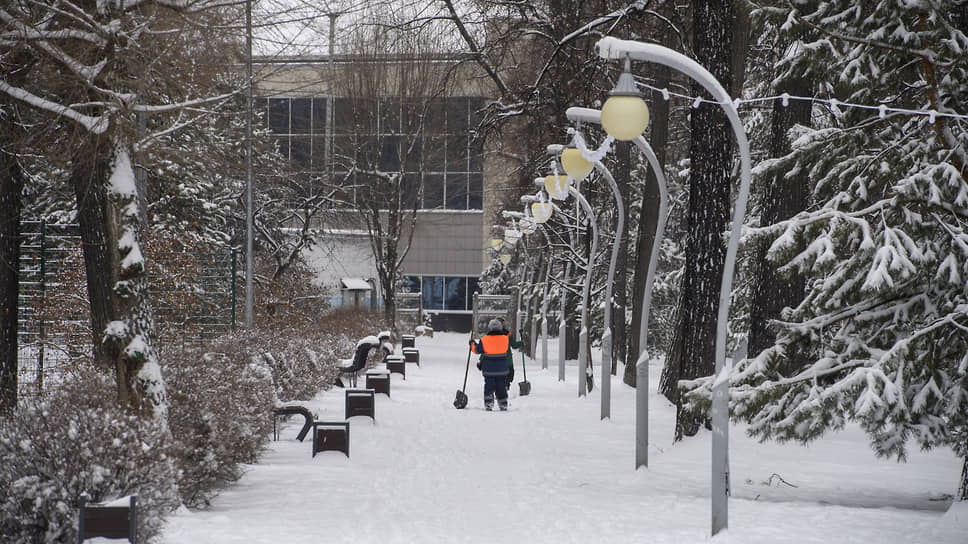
[{"x": 550, "y": 471}]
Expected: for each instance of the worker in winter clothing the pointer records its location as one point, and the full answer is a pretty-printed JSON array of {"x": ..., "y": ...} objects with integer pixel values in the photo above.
[{"x": 494, "y": 347}]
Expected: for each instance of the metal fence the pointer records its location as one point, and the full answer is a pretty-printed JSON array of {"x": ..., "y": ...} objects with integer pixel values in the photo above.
[{"x": 192, "y": 291}]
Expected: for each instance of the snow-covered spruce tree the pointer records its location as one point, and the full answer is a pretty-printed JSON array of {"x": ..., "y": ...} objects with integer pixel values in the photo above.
[{"x": 882, "y": 332}]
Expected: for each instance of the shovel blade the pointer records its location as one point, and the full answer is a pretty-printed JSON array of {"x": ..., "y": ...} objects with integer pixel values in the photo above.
[
  {"x": 524, "y": 388},
  {"x": 460, "y": 402}
]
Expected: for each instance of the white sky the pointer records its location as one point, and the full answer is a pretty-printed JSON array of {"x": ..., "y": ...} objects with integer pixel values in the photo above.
[{"x": 550, "y": 471}]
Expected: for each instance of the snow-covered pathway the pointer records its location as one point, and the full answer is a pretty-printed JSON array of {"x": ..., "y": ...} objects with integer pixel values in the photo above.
[{"x": 549, "y": 471}]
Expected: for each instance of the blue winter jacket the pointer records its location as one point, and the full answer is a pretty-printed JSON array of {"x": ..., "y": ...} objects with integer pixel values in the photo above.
[{"x": 494, "y": 346}]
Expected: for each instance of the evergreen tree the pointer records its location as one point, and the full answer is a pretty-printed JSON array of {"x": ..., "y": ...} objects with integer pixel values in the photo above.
[{"x": 882, "y": 334}]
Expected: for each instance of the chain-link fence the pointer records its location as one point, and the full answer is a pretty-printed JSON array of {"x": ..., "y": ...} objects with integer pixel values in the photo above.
[{"x": 192, "y": 290}]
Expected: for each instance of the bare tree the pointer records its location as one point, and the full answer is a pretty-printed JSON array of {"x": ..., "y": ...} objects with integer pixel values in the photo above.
[
  {"x": 393, "y": 93},
  {"x": 97, "y": 65}
]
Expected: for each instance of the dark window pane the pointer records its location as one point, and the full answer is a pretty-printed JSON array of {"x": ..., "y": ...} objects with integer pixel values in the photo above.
[
  {"x": 456, "y": 191},
  {"x": 455, "y": 295},
  {"x": 457, "y": 115},
  {"x": 457, "y": 153},
  {"x": 433, "y": 155},
  {"x": 368, "y": 152},
  {"x": 475, "y": 106},
  {"x": 411, "y": 284},
  {"x": 476, "y": 155},
  {"x": 390, "y": 116},
  {"x": 279, "y": 115},
  {"x": 299, "y": 152},
  {"x": 300, "y": 115},
  {"x": 344, "y": 150},
  {"x": 472, "y": 287},
  {"x": 390, "y": 153},
  {"x": 475, "y": 192},
  {"x": 319, "y": 154},
  {"x": 319, "y": 115},
  {"x": 343, "y": 116},
  {"x": 435, "y": 117},
  {"x": 433, "y": 187},
  {"x": 433, "y": 293},
  {"x": 411, "y": 190},
  {"x": 411, "y": 115},
  {"x": 410, "y": 151}
]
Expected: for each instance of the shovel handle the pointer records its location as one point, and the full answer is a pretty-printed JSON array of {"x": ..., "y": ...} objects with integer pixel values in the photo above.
[{"x": 467, "y": 367}]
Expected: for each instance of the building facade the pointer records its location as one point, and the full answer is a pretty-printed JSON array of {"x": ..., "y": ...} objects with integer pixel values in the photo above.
[{"x": 429, "y": 139}]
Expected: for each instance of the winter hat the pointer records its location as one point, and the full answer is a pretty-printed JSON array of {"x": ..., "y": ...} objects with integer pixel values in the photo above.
[{"x": 494, "y": 326}]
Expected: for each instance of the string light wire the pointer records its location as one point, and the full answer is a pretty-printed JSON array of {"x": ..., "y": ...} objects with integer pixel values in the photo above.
[{"x": 882, "y": 109}]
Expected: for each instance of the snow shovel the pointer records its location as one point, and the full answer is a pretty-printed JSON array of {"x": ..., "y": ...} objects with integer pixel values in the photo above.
[
  {"x": 524, "y": 388},
  {"x": 461, "y": 400}
]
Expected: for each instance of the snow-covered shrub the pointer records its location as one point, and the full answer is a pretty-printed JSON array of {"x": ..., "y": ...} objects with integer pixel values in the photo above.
[
  {"x": 219, "y": 416},
  {"x": 53, "y": 450}
]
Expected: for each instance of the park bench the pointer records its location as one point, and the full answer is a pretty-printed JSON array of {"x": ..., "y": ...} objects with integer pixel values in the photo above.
[
  {"x": 352, "y": 367},
  {"x": 289, "y": 411},
  {"x": 397, "y": 364},
  {"x": 378, "y": 379},
  {"x": 114, "y": 519},
  {"x": 411, "y": 355},
  {"x": 331, "y": 436}
]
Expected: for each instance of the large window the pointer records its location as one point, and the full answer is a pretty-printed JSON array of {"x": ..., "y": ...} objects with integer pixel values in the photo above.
[
  {"x": 455, "y": 293},
  {"x": 428, "y": 140}
]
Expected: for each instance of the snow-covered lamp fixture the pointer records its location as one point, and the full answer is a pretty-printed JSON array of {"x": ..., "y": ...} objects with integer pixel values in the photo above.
[
  {"x": 556, "y": 185},
  {"x": 496, "y": 243},
  {"x": 575, "y": 164},
  {"x": 527, "y": 225},
  {"x": 541, "y": 211},
  {"x": 624, "y": 114},
  {"x": 505, "y": 258}
]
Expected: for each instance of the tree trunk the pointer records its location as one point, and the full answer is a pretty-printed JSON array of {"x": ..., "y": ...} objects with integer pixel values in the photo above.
[
  {"x": 782, "y": 198},
  {"x": 694, "y": 342},
  {"x": 122, "y": 321},
  {"x": 620, "y": 289},
  {"x": 648, "y": 220},
  {"x": 963, "y": 486},
  {"x": 11, "y": 207}
]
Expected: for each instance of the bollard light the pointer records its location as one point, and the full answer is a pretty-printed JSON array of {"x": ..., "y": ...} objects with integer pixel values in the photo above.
[{"x": 625, "y": 115}]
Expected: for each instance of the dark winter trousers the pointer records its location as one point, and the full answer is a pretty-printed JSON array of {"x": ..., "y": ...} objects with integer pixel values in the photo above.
[{"x": 496, "y": 386}]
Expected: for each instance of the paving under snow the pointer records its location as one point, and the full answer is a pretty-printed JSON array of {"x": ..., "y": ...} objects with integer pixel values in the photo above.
[{"x": 550, "y": 471}]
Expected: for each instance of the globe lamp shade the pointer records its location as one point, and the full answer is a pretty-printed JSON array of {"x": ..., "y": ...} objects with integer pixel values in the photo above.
[
  {"x": 624, "y": 117},
  {"x": 556, "y": 185},
  {"x": 575, "y": 164},
  {"x": 505, "y": 258},
  {"x": 541, "y": 211},
  {"x": 496, "y": 243}
]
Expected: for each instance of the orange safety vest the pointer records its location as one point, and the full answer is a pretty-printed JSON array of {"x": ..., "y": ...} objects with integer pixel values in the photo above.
[{"x": 494, "y": 344}]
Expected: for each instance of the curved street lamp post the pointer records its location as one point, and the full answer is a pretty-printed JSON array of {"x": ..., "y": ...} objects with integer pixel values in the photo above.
[
  {"x": 615, "y": 49},
  {"x": 579, "y": 167},
  {"x": 588, "y": 115}
]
